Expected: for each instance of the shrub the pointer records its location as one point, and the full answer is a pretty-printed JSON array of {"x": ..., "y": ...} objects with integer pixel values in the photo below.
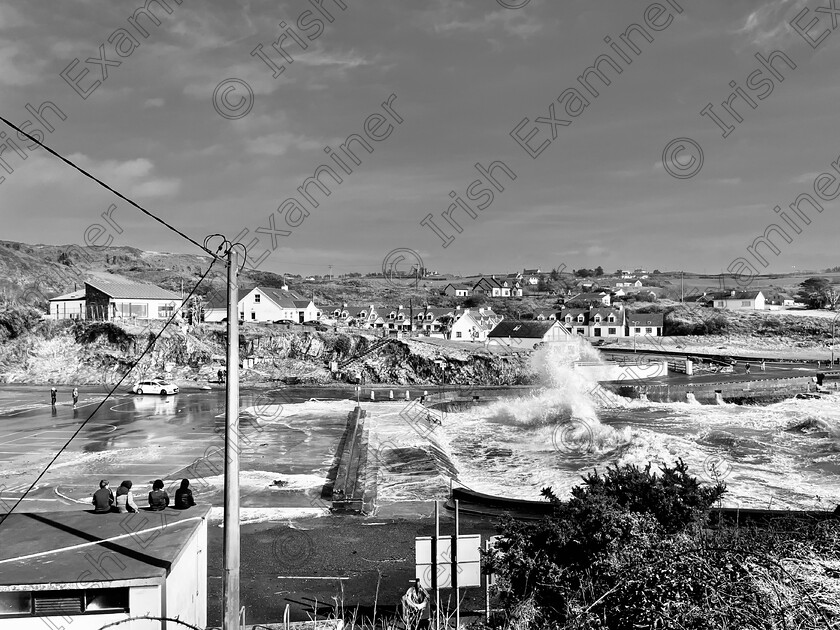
[{"x": 16, "y": 321}]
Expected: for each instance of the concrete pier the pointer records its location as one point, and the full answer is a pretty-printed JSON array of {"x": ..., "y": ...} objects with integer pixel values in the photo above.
[{"x": 351, "y": 491}]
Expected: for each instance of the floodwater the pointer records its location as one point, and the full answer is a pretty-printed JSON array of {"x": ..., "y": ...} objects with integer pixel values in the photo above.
[{"x": 781, "y": 455}]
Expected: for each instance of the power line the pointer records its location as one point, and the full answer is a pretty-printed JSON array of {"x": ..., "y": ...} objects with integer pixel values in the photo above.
[
  {"x": 107, "y": 187},
  {"x": 151, "y": 344}
]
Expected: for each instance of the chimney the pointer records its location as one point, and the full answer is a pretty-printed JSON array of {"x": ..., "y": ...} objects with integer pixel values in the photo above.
[{"x": 401, "y": 307}]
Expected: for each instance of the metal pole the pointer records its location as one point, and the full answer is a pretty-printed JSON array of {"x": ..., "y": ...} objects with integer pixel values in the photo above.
[
  {"x": 230, "y": 613},
  {"x": 455, "y": 570},
  {"x": 487, "y": 588},
  {"x": 434, "y": 565}
]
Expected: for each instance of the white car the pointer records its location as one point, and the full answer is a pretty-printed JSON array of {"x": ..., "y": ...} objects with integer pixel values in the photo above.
[{"x": 155, "y": 386}]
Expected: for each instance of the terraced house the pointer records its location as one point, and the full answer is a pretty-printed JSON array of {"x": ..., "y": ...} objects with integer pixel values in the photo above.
[{"x": 594, "y": 321}]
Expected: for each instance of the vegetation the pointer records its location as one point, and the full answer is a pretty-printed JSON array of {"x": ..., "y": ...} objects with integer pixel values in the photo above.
[
  {"x": 16, "y": 321},
  {"x": 632, "y": 549}
]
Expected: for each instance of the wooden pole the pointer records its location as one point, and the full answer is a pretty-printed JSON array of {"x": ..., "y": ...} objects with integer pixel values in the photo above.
[
  {"x": 487, "y": 588},
  {"x": 230, "y": 613}
]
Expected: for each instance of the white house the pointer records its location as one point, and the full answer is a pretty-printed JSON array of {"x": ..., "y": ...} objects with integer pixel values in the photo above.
[
  {"x": 84, "y": 571},
  {"x": 493, "y": 287},
  {"x": 68, "y": 306},
  {"x": 270, "y": 304},
  {"x": 594, "y": 321},
  {"x": 526, "y": 334},
  {"x": 740, "y": 300},
  {"x": 456, "y": 290},
  {"x": 645, "y": 324},
  {"x": 113, "y": 297},
  {"x": 472, "y": 325}
]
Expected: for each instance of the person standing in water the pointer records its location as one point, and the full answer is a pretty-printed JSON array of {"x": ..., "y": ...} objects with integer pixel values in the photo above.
[
  {"x": 53, "y": 395},
  {"x": 75, "y": 397}
]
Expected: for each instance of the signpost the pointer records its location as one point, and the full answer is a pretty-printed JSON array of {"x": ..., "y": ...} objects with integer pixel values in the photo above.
[{"x": 448, "y": 562}]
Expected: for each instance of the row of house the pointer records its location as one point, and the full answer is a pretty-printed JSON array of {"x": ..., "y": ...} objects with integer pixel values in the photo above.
[{"x": 456, "y": 323}]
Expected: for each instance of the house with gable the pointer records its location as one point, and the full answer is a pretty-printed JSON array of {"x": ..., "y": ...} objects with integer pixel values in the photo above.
[
  {"x": 456, "y": 290},
  {"x": 473, "y": 325},
  {"x": 599, "y": 298},
  {"x": 526, "y": 335},
  {"x": 595, "y": 322},
  {"x": 269, "y": 304},
  {"x": 494, "y": 287},
  {"x": 531, "y": 277},
  {"x": 109, "y": 297},
  {"x": 645, "y": 324}
]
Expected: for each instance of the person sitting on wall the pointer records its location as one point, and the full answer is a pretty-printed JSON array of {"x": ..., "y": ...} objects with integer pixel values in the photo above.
[
  {"x": 103, "y": 499},
  {"x": 184, "y": 496},
  {"x": 158, "y": 499},
  {"x": 125, "y": 500}
]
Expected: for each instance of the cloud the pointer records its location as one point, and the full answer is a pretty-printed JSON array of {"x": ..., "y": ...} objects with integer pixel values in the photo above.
[
  {"x": 769, "y": 24},
  {"x": 153, "y": 102},
  {"x": 277, "y": 144},
  {"x": 520, "y": 24}
]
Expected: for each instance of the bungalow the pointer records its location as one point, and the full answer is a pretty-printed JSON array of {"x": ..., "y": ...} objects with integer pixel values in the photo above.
[
  {"x": 113, "y": 297},
  {"x": 645, "y": 324},
  {"x": 493, "y": 287},
  {"x": 456, "y": 290},
  {"x": 215, "y": 310},
  {"x": 740, "y": 300},
  {"x": 473, "y": 325},
  {"x": 269, "y": 304},
  {"x": 601, "y": 298},
  {"x": 526, "y": 335},
  {"x": 68, "y": 306}
]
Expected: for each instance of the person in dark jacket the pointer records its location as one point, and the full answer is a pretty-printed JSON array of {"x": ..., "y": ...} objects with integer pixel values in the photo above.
[
  {"x": 103, "y": 499},
  {"x": 184, "y": 496},
  {"x": 158, "y": 499},
  {"x": 53, "y": 395},
  {"x": 124, "y": 500}
]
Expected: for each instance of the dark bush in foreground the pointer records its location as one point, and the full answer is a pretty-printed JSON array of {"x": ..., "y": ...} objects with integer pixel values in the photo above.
[
  {"x": 90, "y": 332},
  {"x": 16, "y": 321}
]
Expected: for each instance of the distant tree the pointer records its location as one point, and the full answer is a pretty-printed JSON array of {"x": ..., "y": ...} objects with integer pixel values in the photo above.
[
  {"x": 656, "y": 272},
  {"x": 475, "y": 300},
  {"x": 819, "y": 293},
  {"x": 544, "y": 284},
  {"x": 599, "y": 271},
  {"x": 64, "y": 259},
  {"x": 583, "y": 273},
  {"x": 555, "y": 274}
]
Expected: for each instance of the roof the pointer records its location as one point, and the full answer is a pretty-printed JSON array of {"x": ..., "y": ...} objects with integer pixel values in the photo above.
[
  {"x": 530, "y": 271},
  {"x": 645, "y": 319},
  {"x": 122, "y": 288},
  {"x": 524, "y": 330},
  {"x": 75, "y": 295},
  {"x": 52, "y": 548},
  {"x": 739, "y": 295},
  {"x": 284, "y": 299}
]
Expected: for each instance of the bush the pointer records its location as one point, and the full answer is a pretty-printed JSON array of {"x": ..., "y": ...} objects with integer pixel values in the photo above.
[
  {"x": 90, "y": 332},
  {"x": 16, "y": 321}
]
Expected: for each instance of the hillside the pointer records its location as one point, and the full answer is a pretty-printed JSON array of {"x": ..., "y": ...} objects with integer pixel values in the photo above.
[{"x": 44, "y": 351}]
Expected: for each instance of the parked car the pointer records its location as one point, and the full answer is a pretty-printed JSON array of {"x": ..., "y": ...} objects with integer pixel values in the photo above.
[
  {"x": 285, "y": 321},
  {"x": 155, "y": 386}
]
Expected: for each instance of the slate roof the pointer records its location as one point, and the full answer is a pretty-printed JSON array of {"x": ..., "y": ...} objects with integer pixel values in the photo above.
[
  {"x": 521, "y": 329},
  {"x": 122, "y": 288},
  {"x": 645, "y": 319}
]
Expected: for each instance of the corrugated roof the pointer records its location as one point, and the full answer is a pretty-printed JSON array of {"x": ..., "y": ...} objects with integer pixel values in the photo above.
[{"x": 122, "y": 288}]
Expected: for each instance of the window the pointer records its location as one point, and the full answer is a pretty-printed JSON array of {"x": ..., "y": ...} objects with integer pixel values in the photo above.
[
  {"x": 67, "y": 602},
  {"x": 390, "y": 316},
  {"x": 611, "y": 331},
  {"x": 256, "y": 298},
  {"x": 638, "y": 330},
  {"x": 400, "y": 317},
  {"x": 611, "y": 318},
  {"x": 580, "y": 331},
  {"x": 745, "y": 303},
  {"x": 568, "y": 319},
  {"x": 458, "y": 335},
  {"x": 648, "y": 330},
  {"x": 165, "y": 311},
  {"x": 253, "y": 315}
]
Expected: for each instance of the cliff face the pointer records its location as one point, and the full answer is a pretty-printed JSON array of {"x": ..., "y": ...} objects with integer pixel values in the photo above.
[{"x": 93, "y": 353}]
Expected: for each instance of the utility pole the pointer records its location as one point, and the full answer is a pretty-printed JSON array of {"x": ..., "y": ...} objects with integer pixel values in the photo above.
[
  {"x": 230, "y": 612},
  {"x": 330, "y": 266},
  {"x": 682, "y": 287}
]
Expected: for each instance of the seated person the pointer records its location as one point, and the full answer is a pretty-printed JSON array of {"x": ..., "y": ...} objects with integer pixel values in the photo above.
[
  {"x": 184, "y": 496},
  {"x": 158, "y": 499},
  {"x": 125, "y": 500},
  {"x": 103, "y": 499}
]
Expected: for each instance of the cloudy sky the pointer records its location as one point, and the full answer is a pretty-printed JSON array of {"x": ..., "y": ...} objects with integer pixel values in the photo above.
[{"x": 464, "y": 75}]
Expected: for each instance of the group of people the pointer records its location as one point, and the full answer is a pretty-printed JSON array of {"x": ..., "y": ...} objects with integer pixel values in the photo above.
[
  {"x": 74, "y": 394},
  {"x": 105, "y": 501}
]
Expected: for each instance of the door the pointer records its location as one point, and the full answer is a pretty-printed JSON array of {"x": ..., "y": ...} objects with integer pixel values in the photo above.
[
  {"x": 597, "y": 331},
  {"x": 300, "y": 317}
]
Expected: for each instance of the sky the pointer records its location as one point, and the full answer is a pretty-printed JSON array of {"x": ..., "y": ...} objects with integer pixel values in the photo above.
[{"x": 182, "y": 118}]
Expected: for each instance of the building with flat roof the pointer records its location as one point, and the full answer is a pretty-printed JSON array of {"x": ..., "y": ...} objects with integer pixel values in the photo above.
[{"x": 82, "y": 570}]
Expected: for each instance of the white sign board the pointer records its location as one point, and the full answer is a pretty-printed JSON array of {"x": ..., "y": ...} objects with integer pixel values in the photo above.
[{"x": 469, "y": 561}]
